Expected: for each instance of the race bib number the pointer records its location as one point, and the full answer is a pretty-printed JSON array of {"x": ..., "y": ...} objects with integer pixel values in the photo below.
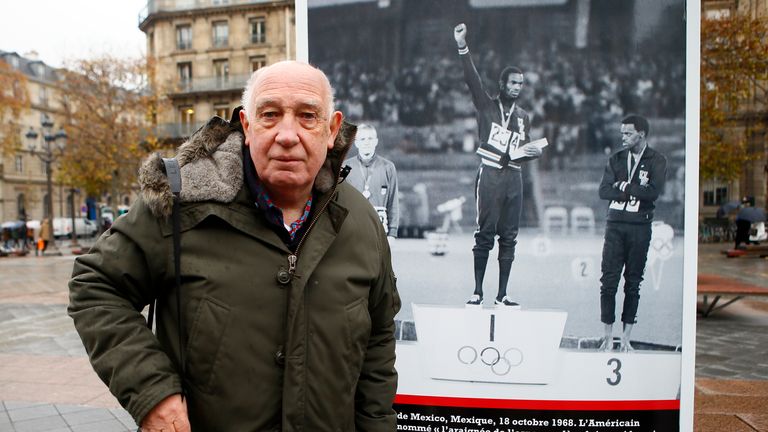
[
  {"x": 499, "y": 137},
  {"x": 382, "y": 212},
  {"x": 521, "y": 128},
  {"x": 632, "y": 206}
]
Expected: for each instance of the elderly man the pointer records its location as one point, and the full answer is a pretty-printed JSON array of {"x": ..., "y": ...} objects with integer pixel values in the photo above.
[
  {"x": 376, "y": 178},
  {"x": 287, "y": 298}
]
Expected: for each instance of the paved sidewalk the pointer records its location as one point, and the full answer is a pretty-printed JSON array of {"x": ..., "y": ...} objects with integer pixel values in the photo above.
[
  {"x": 732, "y": 351},
  {"x": 47, "y": 384}
]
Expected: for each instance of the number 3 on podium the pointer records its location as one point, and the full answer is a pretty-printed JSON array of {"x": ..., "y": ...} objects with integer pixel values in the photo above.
[{"x": 615, "y": 379}]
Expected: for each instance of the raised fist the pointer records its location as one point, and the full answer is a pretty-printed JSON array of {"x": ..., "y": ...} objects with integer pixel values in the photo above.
[{"x": 460, "y": 34}]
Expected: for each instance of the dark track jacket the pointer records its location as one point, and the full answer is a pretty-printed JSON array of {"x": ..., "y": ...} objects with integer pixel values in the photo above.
[
  {"x": 494, "y": 139},
  {"x": 314, "y": 354},
  {"x": 636, "y": 203}
]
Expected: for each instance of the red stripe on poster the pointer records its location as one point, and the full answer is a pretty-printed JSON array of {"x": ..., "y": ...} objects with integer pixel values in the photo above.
[{"x": 539, "y": 404}]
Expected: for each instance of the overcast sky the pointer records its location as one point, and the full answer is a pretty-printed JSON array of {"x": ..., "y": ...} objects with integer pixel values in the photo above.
[{"x": 69, "y": 29}]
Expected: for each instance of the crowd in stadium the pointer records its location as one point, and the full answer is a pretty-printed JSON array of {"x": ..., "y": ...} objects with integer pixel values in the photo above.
[{"x": 575, "y": 97}]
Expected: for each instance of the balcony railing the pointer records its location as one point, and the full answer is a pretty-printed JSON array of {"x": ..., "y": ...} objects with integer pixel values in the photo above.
[
  {"x": 176, "y": 130},
  {"x": 155, "y": 6},
  {"x": 197, "y": 85}
]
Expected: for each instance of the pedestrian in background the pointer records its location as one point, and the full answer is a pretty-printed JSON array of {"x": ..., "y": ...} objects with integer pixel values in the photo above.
[{"x": 46, "y": 234}]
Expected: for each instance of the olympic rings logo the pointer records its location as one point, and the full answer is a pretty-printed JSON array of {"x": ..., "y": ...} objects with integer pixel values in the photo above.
[{"x": 491, "y": 357}]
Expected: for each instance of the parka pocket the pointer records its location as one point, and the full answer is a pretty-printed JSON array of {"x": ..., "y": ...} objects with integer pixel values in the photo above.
[
  {"x": 358, "y": 323},
  {"x": 206, "y": 337}
]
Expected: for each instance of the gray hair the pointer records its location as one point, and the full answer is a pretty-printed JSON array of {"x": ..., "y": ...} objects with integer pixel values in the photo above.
[{"x": 247, "y": 99}]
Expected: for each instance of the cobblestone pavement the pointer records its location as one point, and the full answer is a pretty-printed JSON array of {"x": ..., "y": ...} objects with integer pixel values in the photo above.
[{"x": 47, "y": 384}]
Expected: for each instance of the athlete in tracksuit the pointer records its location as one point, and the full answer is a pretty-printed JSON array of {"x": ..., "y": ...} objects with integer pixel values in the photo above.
[
  {"x": 633, "y": 179},
  {"x": 503, "y": 127},
  {"x": 376, "y": 178}
]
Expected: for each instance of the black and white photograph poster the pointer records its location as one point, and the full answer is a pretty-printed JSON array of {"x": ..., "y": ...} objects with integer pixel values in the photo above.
[{"x": 534, "y": 165}]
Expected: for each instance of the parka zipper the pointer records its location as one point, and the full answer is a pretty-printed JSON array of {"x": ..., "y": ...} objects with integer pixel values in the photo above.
[{"x": 294, "y": 257}]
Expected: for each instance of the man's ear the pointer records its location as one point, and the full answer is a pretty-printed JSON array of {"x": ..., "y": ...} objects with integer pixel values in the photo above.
[
  {"x": 335, "y": 126},
  {"x": 244, "y": 122}
]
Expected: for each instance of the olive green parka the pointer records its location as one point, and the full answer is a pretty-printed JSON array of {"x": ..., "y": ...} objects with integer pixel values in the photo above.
[{"x": 315, "y": 353}]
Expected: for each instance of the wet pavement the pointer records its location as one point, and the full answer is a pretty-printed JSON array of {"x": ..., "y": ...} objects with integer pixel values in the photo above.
[{"x": 47, "y": 384}]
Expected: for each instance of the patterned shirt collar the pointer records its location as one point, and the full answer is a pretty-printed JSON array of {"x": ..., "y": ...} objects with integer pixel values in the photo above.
[{"x": 275, "y": 215}]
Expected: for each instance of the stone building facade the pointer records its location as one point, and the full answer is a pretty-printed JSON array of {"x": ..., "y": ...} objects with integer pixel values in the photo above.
[
  {"x": 23, "y": 185},
  {"x": 751, "y": 122},
  {"x": 205, "y": 50}
]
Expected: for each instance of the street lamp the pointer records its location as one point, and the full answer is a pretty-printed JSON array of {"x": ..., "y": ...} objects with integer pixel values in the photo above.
[
  {"x": 53, "y": 142},
  {"x": 74, "y": 243}
]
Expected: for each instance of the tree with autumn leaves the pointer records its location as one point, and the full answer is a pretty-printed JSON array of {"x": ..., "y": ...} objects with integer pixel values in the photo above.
[
  {"x": 107, "y": 106},
  {"x": 734, "y": 77},
  {"x": 14, "y": 101}
]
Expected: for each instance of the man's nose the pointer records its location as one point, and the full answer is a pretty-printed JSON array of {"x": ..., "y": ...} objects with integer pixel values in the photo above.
[{"x": 287, "y": 130}]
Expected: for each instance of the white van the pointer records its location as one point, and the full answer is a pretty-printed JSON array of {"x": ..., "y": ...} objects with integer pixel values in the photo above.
[{"x": 62, "y": 227}]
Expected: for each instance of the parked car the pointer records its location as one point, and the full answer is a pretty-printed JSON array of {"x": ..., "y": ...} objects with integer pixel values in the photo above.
[{"x": 62, "y": 227}]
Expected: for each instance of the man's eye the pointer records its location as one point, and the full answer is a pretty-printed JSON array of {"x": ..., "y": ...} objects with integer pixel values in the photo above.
[
  {"x": 308, "y": 116},
  {"x": 269, "y": 117}
]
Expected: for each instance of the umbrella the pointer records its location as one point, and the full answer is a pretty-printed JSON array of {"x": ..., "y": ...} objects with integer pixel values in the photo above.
[
  {"x": 727, "y": 208},
  {"x": 12, "y": 224},
  {"x": 751, "y": 214}
]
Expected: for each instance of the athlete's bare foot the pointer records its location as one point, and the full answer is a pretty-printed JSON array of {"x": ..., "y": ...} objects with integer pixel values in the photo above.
[
  {"x": 607, "y": 344},
  {"x": 626, "y": 346}
]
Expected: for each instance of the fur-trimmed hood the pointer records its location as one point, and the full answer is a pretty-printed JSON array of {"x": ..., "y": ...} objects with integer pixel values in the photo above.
[{"x": 211, "y": 163}]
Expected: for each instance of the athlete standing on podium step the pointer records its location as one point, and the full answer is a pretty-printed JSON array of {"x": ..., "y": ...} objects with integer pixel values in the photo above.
[
  {"x": 503, "y": 127},
  {"x": 632, "y": 181}
]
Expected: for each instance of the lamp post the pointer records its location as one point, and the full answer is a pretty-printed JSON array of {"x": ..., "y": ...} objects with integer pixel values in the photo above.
[
  {"x": 48, "y": 155},
  {"x": 74, "y": 243}
]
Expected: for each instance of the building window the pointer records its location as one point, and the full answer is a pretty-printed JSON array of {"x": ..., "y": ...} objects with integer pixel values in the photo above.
[
  {"x": 717, "y": 14},
  {"x": 151, "y": 44},
  {"x": 185, "y": 73},
  {"x": 186, "y": 119},
  {"x": 38, "y": 69},
  {"x": 258, "y": 62},
  {"x": 21, "y": 207},
  {"x": 19, "y": 163},
  {"x": 221, "y": 71},
  {"x": 186, "y": 114},
  {"x": 184, "y": 37},
  {"x": 258, "y": 30},
  {"x": 44, "y": 168},
  {"x": 716, "y": 196},
  {"x": 221, "y": 110},
  {"x": 42, "y": 96},
  {"x": 220, "y": 2},
  {"x": 220, "y": 34},
  {"x": 14, "y": 60}
]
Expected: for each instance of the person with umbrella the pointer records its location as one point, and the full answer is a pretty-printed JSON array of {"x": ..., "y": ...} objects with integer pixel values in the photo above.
[{"x": 747, "y": 215}]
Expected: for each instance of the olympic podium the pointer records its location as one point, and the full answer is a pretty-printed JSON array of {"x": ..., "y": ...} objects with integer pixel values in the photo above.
[
  {"x": 503, "y": 353},
  {"x": 500, "y": 345}
]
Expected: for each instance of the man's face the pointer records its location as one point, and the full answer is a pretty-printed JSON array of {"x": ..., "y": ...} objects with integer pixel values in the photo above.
[
  {"x": 366, "y": 142},
  {"x": 290, "y": 129},
  {"x": 513, "y": 86},
  {"x": 630, "y": 138}
]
